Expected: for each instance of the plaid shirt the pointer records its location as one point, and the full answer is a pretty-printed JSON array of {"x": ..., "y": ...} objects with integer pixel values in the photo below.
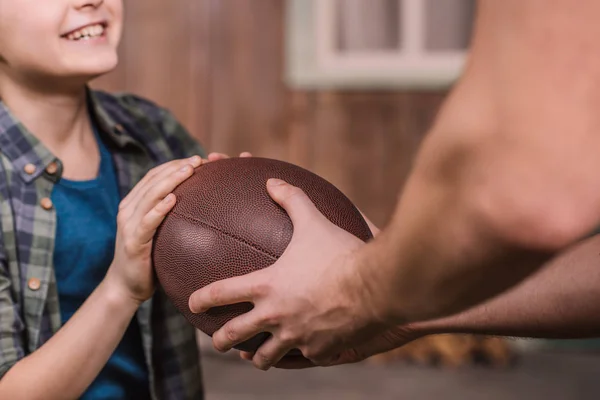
[{"x": 141, "y": 135}]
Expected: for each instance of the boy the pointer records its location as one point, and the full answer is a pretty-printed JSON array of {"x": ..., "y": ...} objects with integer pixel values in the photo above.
[{"x": 79, "y": 313}]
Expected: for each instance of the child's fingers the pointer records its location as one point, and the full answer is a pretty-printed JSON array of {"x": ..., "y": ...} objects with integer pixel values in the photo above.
[
  {"x": 161, "y": 179},
  {"x": 221, "y": 156},
  {"x": 158, "y": 172},
  {"x": 150, "y": 222},
  {"x": 217, "y": 156},
  {"x": 142, "y": 189},
  {"x": 142, "y": 183},
  {"x": 159, "y": 190}
]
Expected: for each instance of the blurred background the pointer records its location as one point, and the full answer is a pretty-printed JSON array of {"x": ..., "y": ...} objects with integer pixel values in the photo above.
[{"x": 347, "y": 89}]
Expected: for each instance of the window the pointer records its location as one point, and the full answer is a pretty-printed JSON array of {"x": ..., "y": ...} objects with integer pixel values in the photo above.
[{"x": 377, "y": 43}]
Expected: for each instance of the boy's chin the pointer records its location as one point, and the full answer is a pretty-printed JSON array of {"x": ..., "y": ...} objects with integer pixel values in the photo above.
[
  {"x": 84, "y": 74},
  {"x": 95, "y": 69},
  {"x": 95, "y": 65}
]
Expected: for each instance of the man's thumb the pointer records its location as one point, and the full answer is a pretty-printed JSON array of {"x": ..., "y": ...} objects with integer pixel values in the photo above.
[{"x": 293, "y": 200}]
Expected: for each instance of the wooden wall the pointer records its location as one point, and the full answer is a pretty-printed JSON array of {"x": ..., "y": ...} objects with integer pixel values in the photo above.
[{"x": 219, "y": 66}]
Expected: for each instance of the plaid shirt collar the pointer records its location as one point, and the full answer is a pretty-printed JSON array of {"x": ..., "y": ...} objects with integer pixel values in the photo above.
[{"x": 23, "y": 148}]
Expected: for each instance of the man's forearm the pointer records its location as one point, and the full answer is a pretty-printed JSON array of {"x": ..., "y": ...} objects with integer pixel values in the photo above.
[
  {"x": 438, "y": 259},
  {"x": 561, "y": 300},
  {"x": 68, "y": 363}
]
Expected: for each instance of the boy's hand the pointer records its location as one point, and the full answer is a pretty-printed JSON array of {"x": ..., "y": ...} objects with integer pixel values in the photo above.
[
  {"x": 140, "y": 214},
  {"x": 221, "y": 156}
]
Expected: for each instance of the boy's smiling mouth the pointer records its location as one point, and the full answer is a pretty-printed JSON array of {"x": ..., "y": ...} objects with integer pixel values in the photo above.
[{"x": 87, "y": 32}]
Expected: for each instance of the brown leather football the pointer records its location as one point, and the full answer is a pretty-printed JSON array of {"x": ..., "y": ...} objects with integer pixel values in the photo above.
[{"x": 225, "y": 224}]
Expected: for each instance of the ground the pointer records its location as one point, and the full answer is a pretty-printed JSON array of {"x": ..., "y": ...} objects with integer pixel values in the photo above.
[{"x": 547, "y": 375}]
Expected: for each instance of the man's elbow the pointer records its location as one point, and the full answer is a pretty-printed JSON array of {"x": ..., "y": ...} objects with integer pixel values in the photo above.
[{"x": 535, "y": 220}]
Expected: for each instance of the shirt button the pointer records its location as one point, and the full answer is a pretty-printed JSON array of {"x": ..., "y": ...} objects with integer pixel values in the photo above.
[
  {"x": 34, "y": 284},
  {"x": 29, "y": 169},
  {"x": 52, "y": 168},
  {"x": 119, "y": 128},
  {"x": 46, "y": 203}
]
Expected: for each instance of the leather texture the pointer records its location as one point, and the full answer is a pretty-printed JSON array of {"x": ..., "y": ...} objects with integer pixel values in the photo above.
[{"x": 225, "y": 224}]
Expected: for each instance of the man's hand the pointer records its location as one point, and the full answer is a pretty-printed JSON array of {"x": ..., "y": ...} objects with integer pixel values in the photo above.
[
  {"x": 313, "y": 298},
  {"x": 389, "y": 340}
]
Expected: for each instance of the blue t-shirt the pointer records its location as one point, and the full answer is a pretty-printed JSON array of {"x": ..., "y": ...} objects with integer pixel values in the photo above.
[{"x": 84, "y": 248}]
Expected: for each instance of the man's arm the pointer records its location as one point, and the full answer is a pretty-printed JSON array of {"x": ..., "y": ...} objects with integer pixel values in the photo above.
[
  {"x": 508, "y": 175},
  {"x": 561, "y": 300}
]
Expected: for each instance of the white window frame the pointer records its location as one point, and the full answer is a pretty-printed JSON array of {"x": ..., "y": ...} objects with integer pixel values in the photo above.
[{"x": 313, "y": 62}]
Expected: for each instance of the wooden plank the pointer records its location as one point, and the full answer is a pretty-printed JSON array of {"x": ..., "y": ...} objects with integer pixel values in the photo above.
[
  {"x": 199, "y": 106},
  {"x": 249, "y": 99},
  {"x": 301, "y": 129},
  {"x": 351, "y": 147},
  {"x": 164, "y": 57}
]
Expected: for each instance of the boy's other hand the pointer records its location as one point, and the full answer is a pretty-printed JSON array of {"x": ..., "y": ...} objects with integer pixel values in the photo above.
[
  {"x": 221, "y": 156},
  {"x": 140, "y": 214}
]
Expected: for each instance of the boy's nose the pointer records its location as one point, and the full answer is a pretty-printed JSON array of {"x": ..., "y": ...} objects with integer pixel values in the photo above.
[{"x": 79, "y": 4}]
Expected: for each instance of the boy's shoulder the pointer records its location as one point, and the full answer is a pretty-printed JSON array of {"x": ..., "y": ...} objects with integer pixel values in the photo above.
[
  {"x": 146, "y": 121},
  {"x": 134, "y": 106},
  {"x": 129, "y": 109}
]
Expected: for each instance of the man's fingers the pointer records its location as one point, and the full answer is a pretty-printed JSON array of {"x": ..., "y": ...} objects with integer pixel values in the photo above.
[
  {"x": 293, "y": 200},
  {"x": 294, "y": 362},
  {"x": 269, "y": 353},
  {"x": 287, "y": 362},
  {"x": 245, "y": 154},
  {"x": 374, "y": 229},
  {"x": 238, "y": 330},
  {"x": 225, "y": 292},
  {"x": 326, "y": 361}
]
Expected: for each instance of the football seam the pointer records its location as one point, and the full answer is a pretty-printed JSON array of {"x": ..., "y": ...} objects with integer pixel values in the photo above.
[{"x": 245, "y": 242}]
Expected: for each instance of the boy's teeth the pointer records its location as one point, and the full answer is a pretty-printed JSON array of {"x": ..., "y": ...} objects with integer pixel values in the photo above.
[{"x": 87, "y": 32}]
